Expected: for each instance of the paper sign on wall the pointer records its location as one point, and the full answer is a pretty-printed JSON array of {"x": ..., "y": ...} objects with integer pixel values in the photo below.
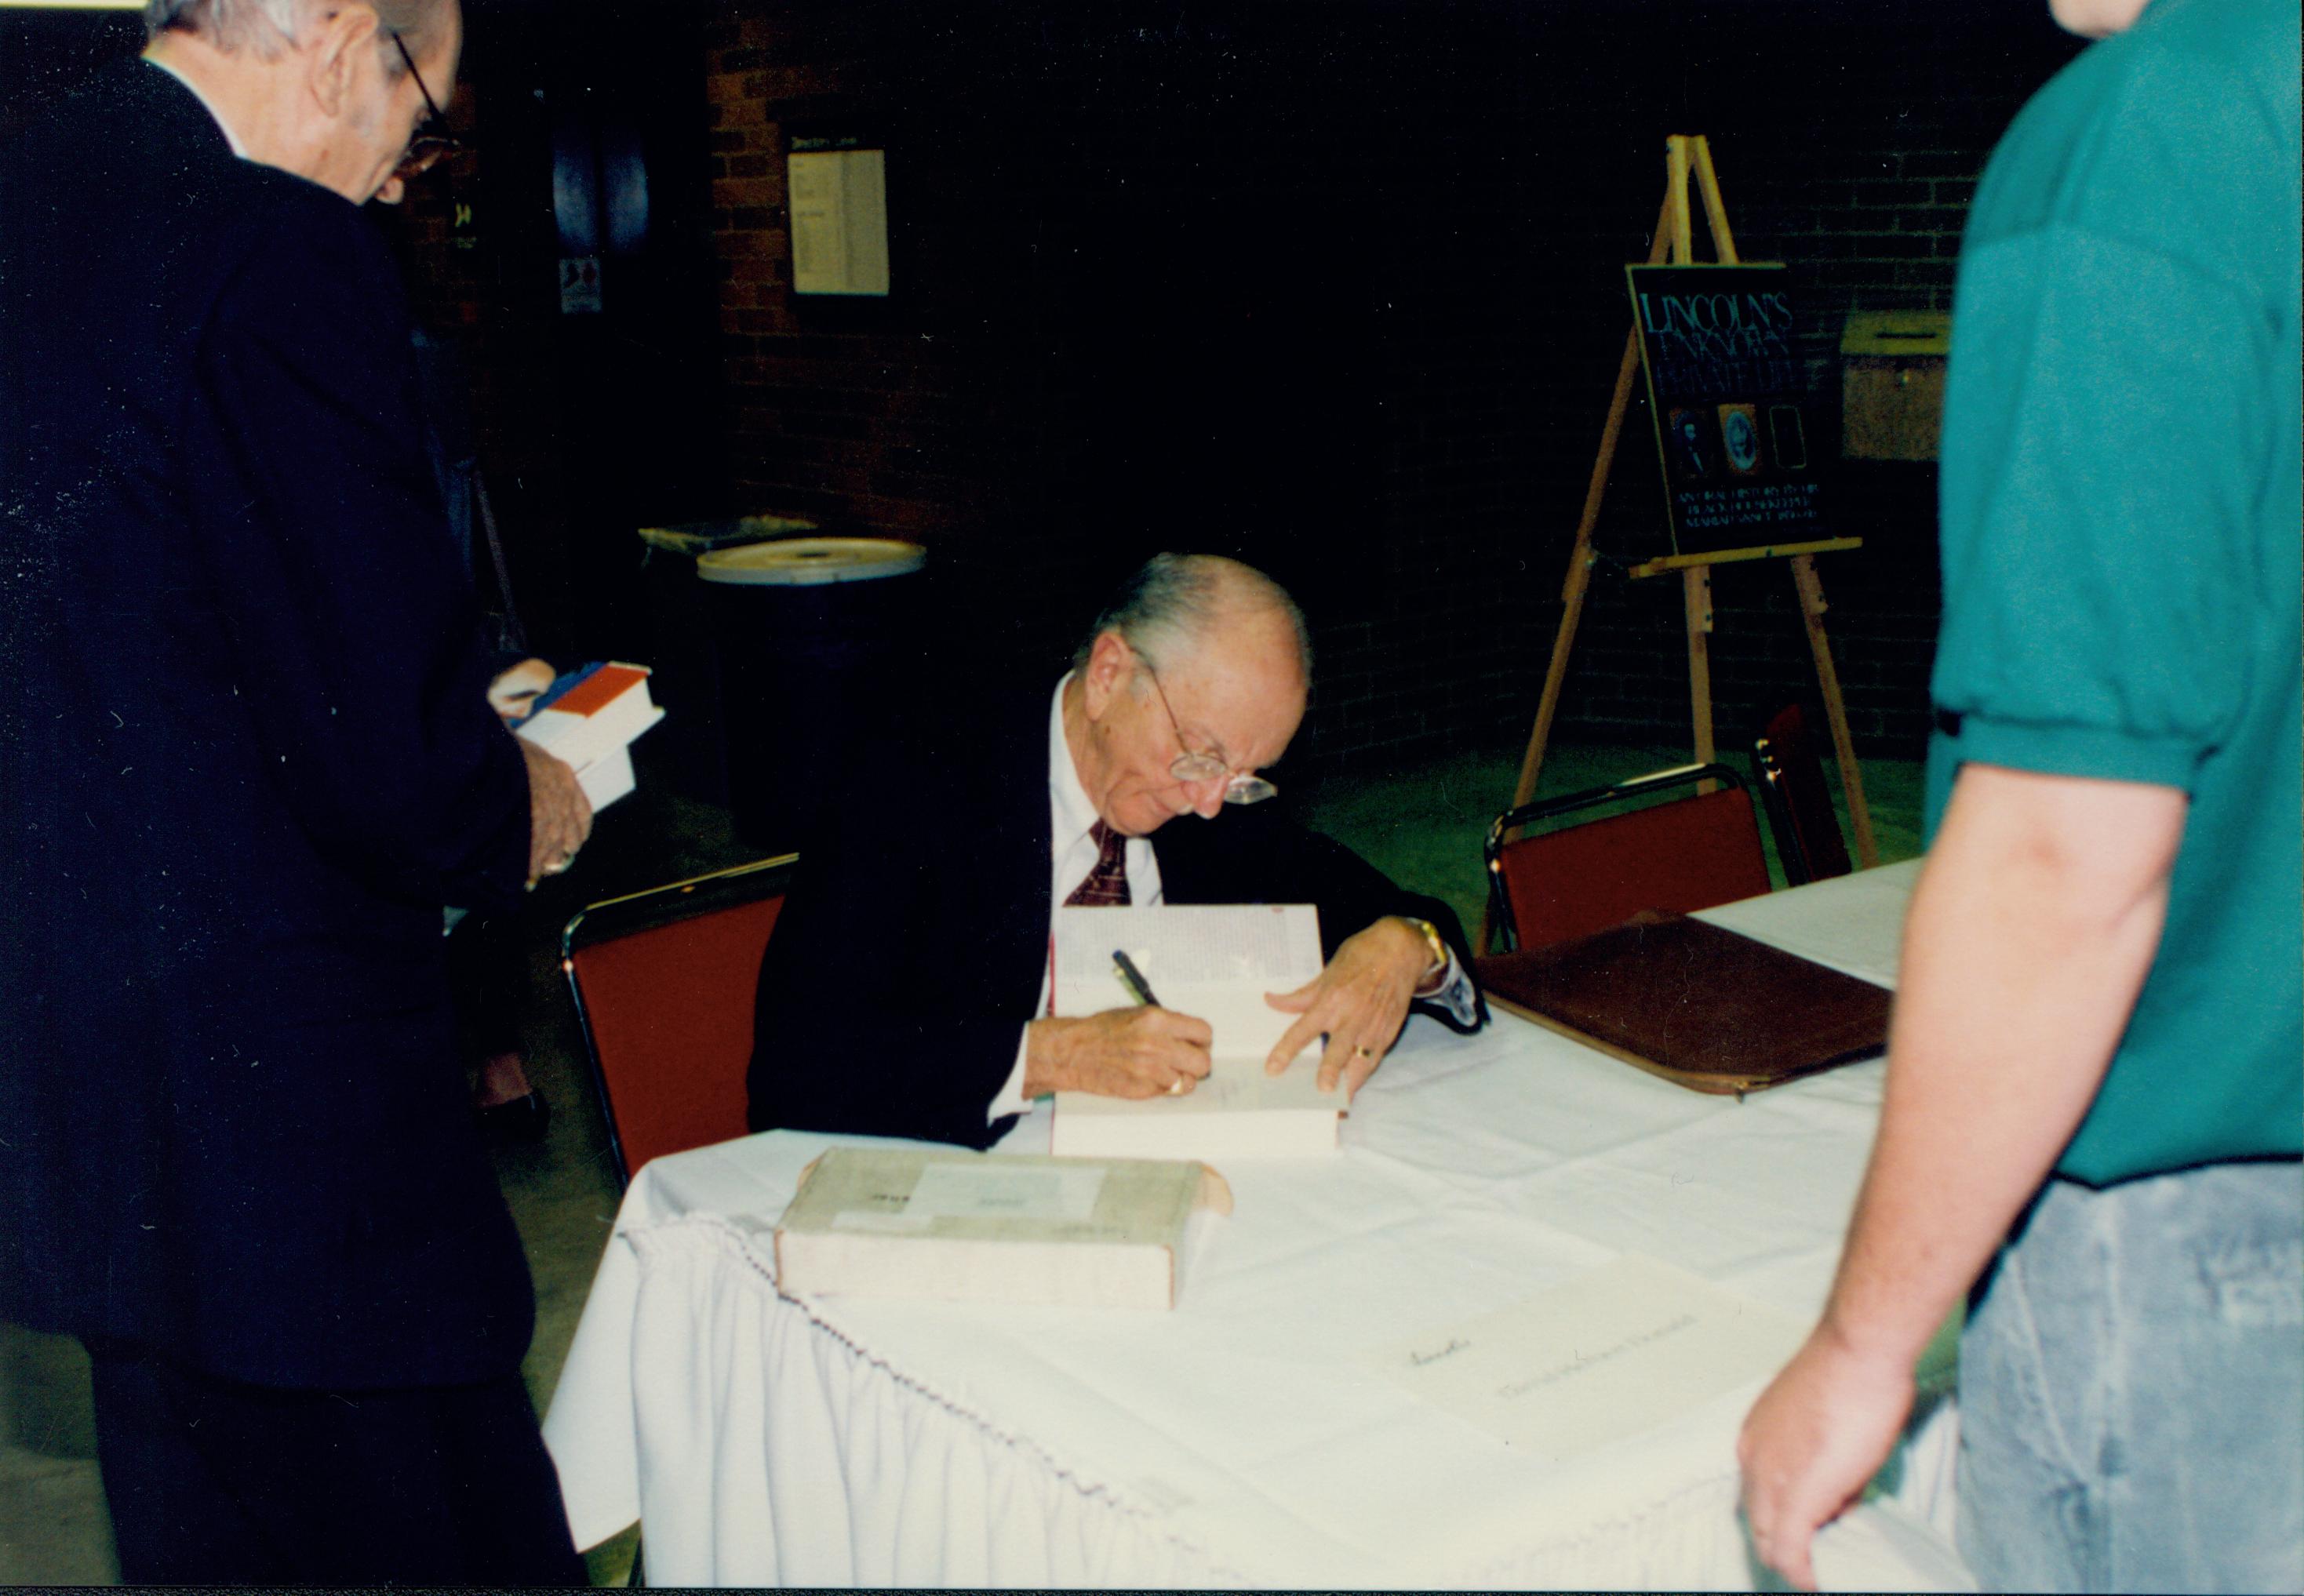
[{"x": 839, "y": 206}]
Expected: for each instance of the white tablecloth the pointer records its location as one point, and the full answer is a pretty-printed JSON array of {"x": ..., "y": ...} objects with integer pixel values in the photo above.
[{"x": 1242, "y": 1439}]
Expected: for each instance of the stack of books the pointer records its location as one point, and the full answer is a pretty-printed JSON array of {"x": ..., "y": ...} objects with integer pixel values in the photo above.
[{"x": 589, "y": 719}]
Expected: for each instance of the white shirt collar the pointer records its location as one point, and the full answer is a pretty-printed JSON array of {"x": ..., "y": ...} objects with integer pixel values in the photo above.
[
  {"x": 230, "y": 137},
  {"x": 1069, "y": 811}
]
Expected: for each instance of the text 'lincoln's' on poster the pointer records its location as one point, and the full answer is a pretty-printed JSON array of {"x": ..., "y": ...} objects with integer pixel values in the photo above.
[{"x": 1732, "y": 406}]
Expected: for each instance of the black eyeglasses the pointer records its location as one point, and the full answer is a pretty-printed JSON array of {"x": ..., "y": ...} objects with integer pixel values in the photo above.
[{"x": 432, "y": 139}]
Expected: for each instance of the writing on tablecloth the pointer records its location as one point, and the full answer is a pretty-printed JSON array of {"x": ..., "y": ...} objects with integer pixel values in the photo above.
[
  {"x": 1621, "y": 1349},
  {"x": 1421, "y": 1358},
  {"x": 1583, "y": 1361}
]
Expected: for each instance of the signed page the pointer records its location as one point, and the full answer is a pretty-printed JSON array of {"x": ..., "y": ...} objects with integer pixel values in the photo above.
[
  {"x": 1216, "y": 962},
  {"x": 1596, "y": 1359}
]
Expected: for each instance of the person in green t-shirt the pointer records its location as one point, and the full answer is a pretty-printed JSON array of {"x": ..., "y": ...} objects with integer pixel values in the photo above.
[{"x": 2095, "y": 1092}]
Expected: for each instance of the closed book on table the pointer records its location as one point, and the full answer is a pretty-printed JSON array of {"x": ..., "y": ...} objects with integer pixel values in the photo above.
[
  {"x": 953, "y": 1226},
  {"x": 1695, "y": 1004}
]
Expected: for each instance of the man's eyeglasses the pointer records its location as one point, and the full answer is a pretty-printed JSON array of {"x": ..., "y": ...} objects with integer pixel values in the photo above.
[
  {"x": 432, "y": 139},
  {"x": 1190, "y": 767}
]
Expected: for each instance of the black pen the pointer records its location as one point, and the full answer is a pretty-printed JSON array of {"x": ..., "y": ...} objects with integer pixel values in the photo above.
[{"x": 1133, "y": 979}]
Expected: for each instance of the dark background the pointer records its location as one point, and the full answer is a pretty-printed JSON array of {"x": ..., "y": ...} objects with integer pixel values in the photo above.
[{"x": 1332, "y": 284}]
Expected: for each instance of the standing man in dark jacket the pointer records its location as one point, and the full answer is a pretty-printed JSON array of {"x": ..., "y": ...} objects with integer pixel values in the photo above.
[{"x": 245, "y": 758}]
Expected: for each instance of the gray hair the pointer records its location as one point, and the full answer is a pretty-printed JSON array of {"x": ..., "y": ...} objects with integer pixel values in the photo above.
[
  {"x": 1174, "y": 603},
  {"x": 265, "y": 28}
]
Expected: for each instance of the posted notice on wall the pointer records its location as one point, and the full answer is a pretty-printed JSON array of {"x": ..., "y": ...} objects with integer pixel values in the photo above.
[
  {"x": 1596, "y": 1359},
  {"x": 839, "y": 206}
]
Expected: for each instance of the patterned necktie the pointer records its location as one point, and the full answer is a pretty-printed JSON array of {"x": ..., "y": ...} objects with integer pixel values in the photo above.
[{"x": 1107, "y": 886}]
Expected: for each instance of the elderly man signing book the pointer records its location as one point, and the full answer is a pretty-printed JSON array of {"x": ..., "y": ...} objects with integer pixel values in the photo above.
[{"x": 906, "y": 991}]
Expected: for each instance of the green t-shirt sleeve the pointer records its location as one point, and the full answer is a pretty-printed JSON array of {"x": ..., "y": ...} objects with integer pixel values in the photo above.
[{"x": 2101, "y": 464}]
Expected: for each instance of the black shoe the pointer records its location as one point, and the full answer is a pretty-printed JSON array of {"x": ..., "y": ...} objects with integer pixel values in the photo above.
[{"x": 515, "y": 1121}]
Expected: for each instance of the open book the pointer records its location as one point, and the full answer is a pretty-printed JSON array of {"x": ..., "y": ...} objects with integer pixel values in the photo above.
[
  {"x": 951, "y": 1226},
  {"x": 1214, "y": 962}
]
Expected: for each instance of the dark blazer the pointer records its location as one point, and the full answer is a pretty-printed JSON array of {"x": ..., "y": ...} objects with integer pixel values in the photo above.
[
  {"x": 910, "y": 952},
  {"x": 245, "y": 758}
]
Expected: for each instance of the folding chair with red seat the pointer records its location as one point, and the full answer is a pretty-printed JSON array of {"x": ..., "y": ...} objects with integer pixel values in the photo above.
[
  {"x": 1679, "y": 856},
  {"x": 664, "y": 984}
]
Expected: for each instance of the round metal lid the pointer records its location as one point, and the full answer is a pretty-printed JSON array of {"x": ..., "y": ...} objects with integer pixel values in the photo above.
[{"x": 810, "y": 561}]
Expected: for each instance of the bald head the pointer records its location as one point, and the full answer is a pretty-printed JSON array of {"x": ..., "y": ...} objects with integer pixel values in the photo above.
[
  {"x": 1198, "y": 660},
  {"x": 330, "y": 91},
  {"x": 1175, "y": 605},
  {"x": 266, "y": 27}
]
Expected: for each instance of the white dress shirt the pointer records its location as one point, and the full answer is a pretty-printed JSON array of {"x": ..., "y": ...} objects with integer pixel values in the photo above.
[{"x": 1072, "y": 855}]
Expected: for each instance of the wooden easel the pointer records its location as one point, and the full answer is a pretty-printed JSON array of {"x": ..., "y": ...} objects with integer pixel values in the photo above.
[{"x": 1686, "y": 153}]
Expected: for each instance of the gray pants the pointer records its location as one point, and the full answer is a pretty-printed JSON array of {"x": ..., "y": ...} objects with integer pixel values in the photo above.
[{"x": 2131, "y": 1389}]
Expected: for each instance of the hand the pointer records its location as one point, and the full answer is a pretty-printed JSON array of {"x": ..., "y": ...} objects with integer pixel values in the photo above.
[
  {"x": 559, "y": 815},
  {"x": 515, "y": 688},
  {"x": 1122, "y": 1052},
  {"x": 1818, "y": 1434},
  {"x": 1360, "y": 1000}
]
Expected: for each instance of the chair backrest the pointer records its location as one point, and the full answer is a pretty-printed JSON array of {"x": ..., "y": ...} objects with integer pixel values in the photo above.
[
  {"x": 1800, "y": 815},
  {"x": 664, "y": 983},
  {"x": 1680, "y": 854}
]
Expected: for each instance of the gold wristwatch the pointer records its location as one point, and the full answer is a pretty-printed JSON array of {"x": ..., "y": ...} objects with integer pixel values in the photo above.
[{"x": 1429, "y": 982}]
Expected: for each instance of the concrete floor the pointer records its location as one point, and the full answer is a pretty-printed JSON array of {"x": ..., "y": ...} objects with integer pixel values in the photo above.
[{"x": 1421, "y": 823}]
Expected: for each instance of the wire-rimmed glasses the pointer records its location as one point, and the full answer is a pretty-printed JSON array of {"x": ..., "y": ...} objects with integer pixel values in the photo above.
[
  {"x": 1194, "y": 766},
  {"x": 432, "y": 139}
]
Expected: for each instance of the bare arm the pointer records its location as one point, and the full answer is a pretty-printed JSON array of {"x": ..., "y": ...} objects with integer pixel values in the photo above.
[{"x": 2029, "y": 936}]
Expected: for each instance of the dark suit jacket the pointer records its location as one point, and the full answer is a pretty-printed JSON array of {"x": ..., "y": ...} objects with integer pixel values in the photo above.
[
  {"x": 245, "y": 758},
  {"x": 910, "y": 953}
]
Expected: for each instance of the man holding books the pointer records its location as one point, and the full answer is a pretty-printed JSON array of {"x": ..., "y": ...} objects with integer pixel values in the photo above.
[
  {"x": 2093, "y": 1098},
  {"x": 246, "y": 758},
  {"x": 1134, "y": 779}
]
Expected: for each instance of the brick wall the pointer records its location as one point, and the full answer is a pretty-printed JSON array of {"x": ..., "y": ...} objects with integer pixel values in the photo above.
[
  {"x": 1857, "y": 166},
  {"x": 1338, "y": 288},
  {"x": 1335, "y": 287}
]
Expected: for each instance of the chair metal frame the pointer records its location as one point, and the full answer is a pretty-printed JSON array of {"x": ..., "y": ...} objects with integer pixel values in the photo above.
[
  {"x": 1500, "y": 910},
  {"x": 1772, "y": 775},
  {"x": 646, "y": 910}
]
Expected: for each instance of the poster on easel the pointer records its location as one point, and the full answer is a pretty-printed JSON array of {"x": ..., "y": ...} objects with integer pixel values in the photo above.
[{"x": 1735, "y": 416}]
